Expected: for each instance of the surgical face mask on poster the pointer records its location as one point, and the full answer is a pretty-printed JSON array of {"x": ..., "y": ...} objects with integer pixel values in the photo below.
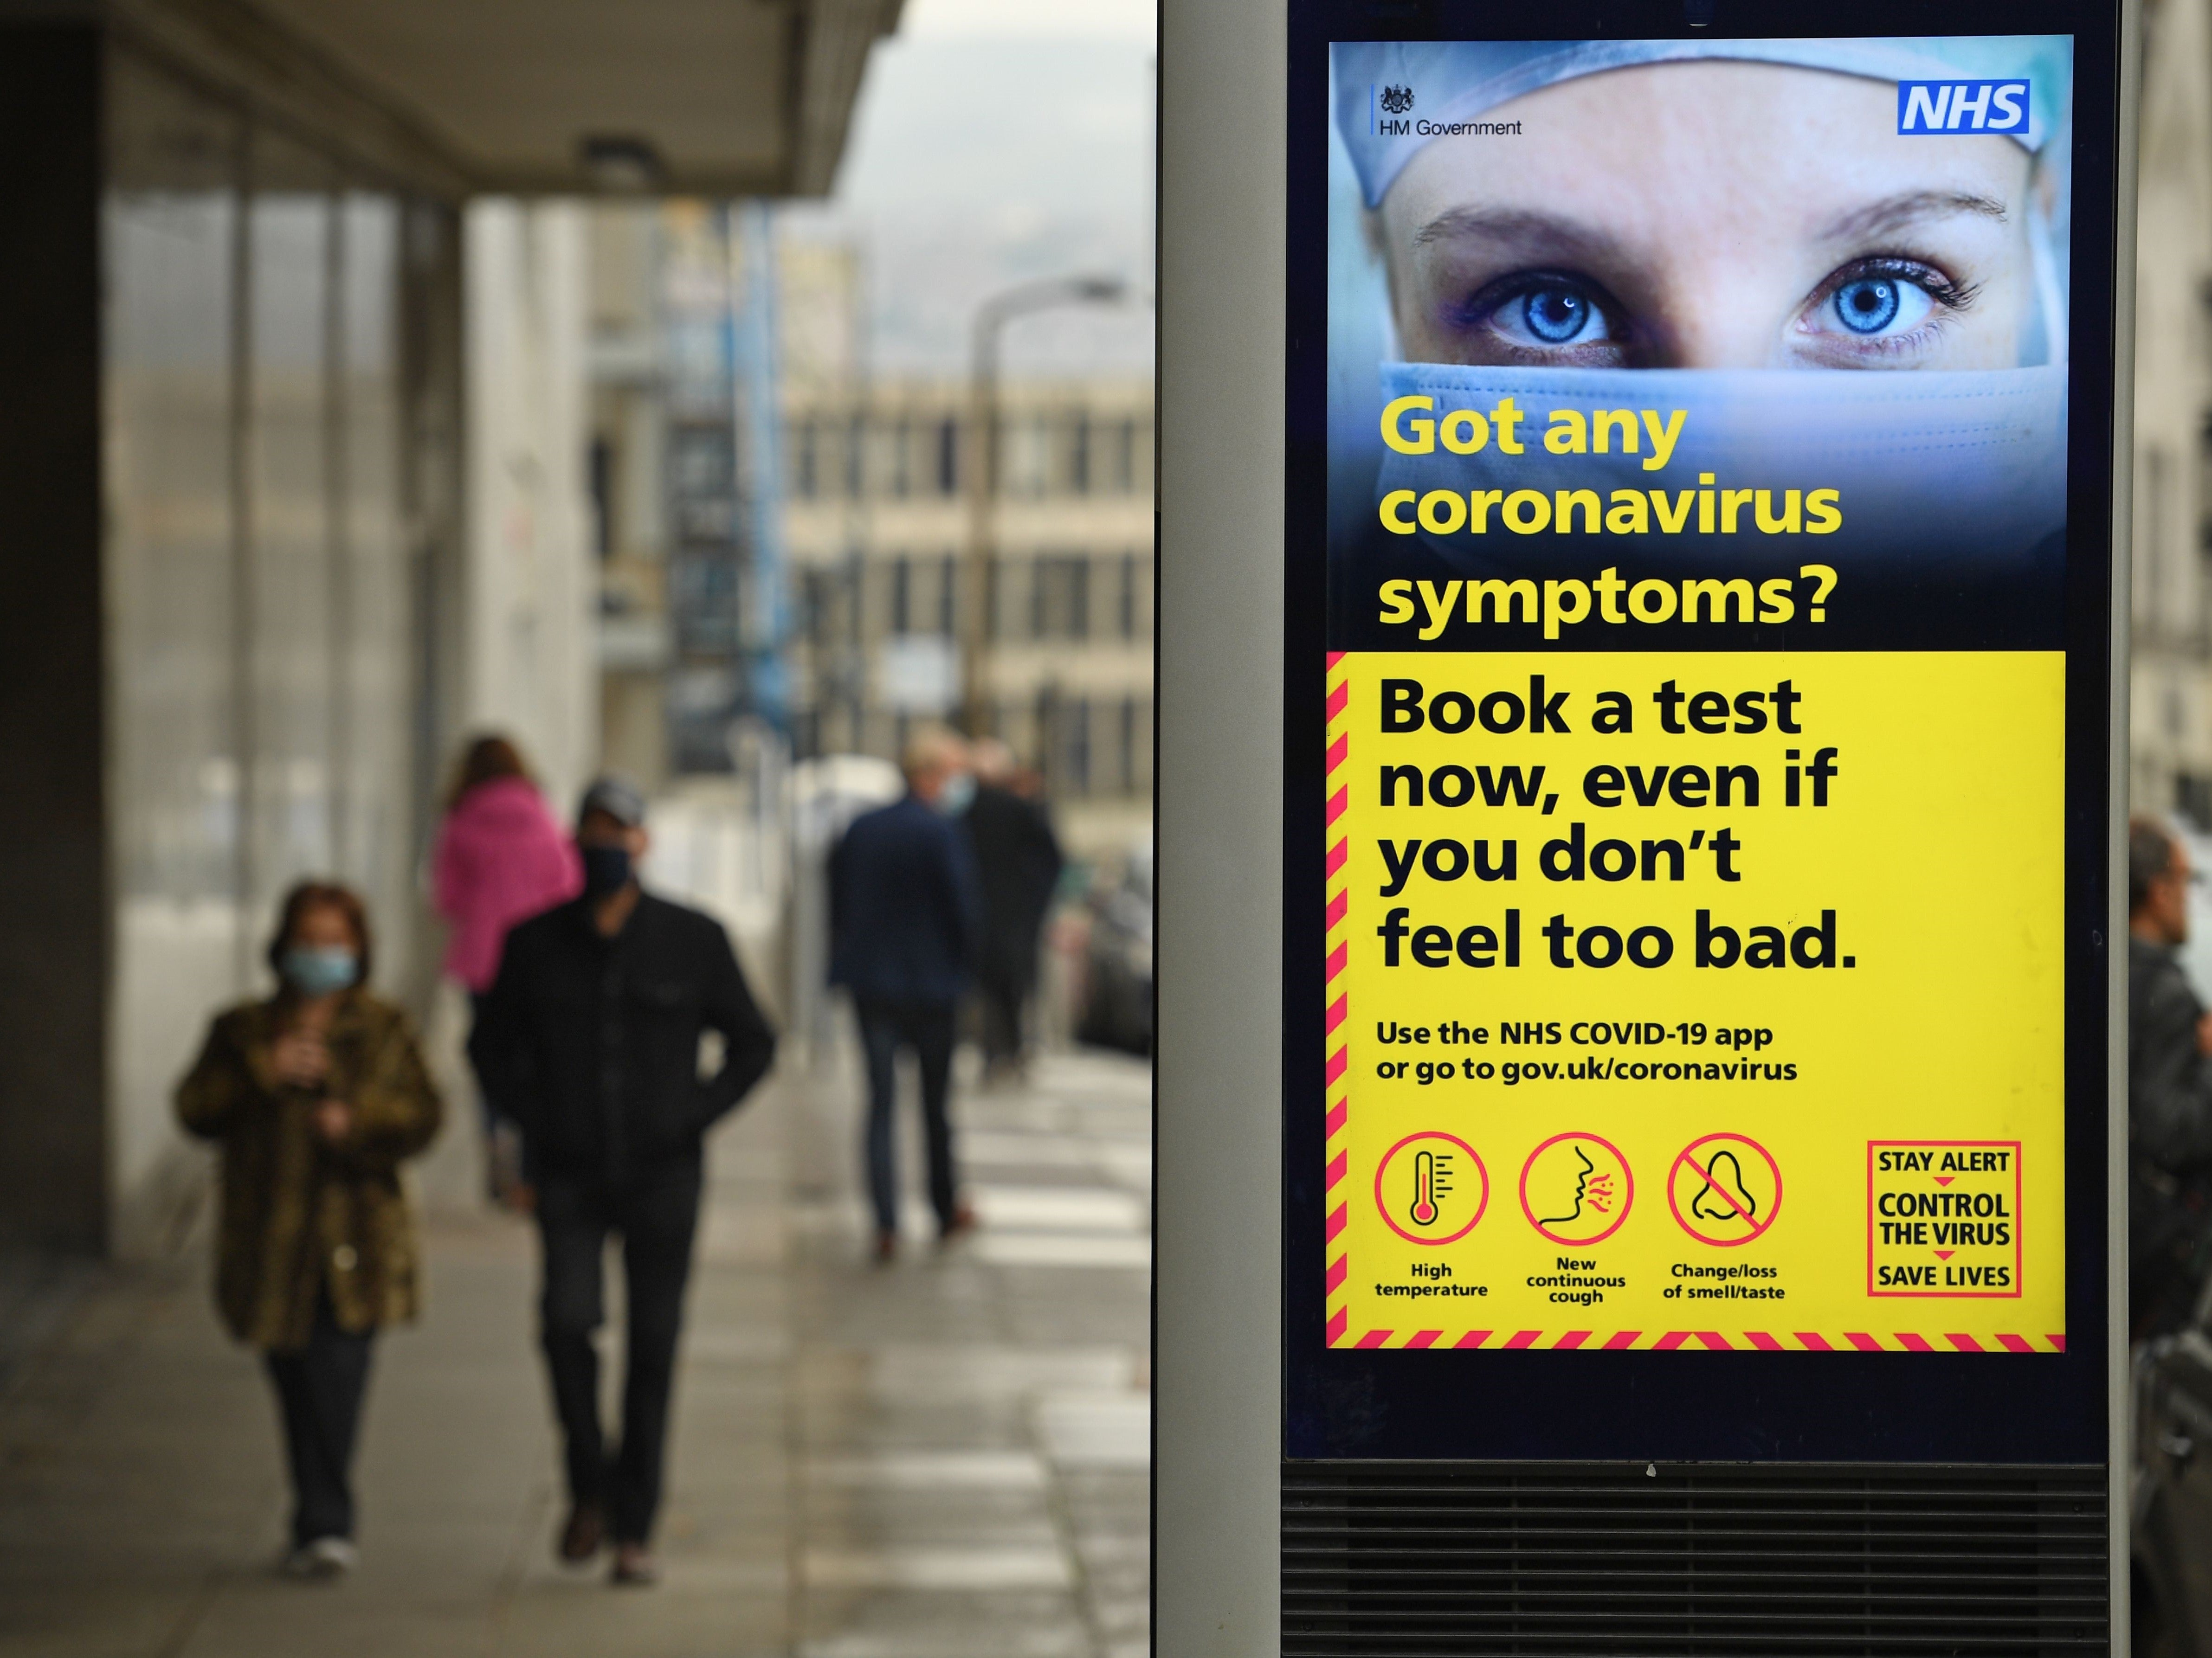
[{"x": 1952, "y": 467}]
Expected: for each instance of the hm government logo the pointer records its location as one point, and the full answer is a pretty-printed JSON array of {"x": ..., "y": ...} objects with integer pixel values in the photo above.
[{"x": 1390, "y": 115}]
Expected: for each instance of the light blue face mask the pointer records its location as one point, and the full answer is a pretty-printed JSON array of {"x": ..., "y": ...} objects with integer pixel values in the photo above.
[
  {"x": 1861, "y": 468},
  {"x": 319, "y": 969}
]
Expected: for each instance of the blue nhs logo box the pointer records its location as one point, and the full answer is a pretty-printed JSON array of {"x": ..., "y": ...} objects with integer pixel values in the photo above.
[{"x": 1925, "y": 107}]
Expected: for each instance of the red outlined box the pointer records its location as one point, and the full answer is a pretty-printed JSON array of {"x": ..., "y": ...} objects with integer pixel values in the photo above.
[{"x": 2018, "y": 1219}]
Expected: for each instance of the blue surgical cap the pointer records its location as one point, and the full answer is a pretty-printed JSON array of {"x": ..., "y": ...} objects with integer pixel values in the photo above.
[{"x": 1460, "y": 80}]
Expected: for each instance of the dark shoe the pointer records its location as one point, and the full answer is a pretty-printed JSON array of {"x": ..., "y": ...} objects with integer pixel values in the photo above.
[
  {"x": 582, "y": 1537},
  {"x": 886, "y": 1247},
  {"x": 635, "y": 1567},
  {"x": 963, "y": 1222}
]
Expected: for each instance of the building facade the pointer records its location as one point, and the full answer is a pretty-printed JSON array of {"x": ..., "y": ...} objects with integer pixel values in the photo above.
[
  {"x": 881, "y": 547},
  {"x": 2171, "y": 606},
  {"x": 293, "y": 442},
  {"x": 849, "y": 537}
]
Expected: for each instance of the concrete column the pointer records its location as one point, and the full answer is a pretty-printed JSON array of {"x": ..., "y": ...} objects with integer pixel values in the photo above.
[
  {"x": 54, "y": 911},
  {"x": 1218, "y": 1358},
  {"x": 530, "y": 665}
]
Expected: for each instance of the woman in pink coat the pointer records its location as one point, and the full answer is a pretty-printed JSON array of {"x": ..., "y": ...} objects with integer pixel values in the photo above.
[{"x": 501, "y": 857}]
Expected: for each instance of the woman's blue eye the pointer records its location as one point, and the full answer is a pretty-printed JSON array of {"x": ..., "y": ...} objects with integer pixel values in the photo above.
[
  {"x": 1555, "y": 315},
  {"x": 1869, "y": 305}
]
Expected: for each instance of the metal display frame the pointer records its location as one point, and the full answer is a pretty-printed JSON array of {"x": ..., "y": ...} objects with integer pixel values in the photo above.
[{"x": 1241, "y": 460}]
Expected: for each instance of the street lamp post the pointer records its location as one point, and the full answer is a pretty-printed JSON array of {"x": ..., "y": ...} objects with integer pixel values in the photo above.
[{"x": 982, "y": 471}]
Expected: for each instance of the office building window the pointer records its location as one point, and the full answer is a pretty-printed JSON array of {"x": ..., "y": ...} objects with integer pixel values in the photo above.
[
  {"x": 806, "y": 620},
  {"x": 948, "y": 457},
  {"x": 902, "y": 448},
  {"x": 1079, "y": 746},
  {"x": 902, "y": 595},
  {"x": 1125, "y": 456},
  {"x": 1125, "y": 605},
  {"x": 806, "y": 461},
  {"x": 1078, "y": 453},
  {"x": 1059, "y": 598},
  {"x": 948, "y": 595}
]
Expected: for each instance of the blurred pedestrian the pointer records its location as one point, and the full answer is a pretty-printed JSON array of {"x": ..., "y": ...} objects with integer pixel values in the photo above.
[
  {"x": 500, "y": 857},
  {"x": 2169, "y": 1090},
  {"x": 1017, "y": 864},
  {"x": 904, "y": 920},
  {"x": 590, "y": 1039},
  {"x": 315, "y": 1096}
]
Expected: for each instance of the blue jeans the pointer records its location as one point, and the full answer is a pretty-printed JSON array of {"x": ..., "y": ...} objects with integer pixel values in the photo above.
[{"x": 926, "y": 1028}]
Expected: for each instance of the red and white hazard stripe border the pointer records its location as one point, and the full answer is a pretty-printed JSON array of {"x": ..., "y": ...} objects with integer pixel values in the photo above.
[
  {"x": 1717, "y": 1341},
  {"x": 1334, "y": 1035}
]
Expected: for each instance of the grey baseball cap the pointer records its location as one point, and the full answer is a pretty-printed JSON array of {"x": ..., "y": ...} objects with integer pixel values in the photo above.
[{"x": 619, "y": 799}]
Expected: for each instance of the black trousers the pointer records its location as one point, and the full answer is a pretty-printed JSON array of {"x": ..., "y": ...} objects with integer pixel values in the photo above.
[
  {"x": 656, "y": 1215},
  {"x": 319, "y": 1393},
  {"x": 1003, "y": 990},
  {"x": 927, "y": 1029}
]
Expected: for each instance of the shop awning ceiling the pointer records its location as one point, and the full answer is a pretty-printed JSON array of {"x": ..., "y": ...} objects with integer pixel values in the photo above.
[{"x": 688, "y": 97}]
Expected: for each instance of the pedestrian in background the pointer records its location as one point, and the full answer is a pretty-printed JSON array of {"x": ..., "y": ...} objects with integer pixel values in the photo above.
[
  {"x": 2169, "y": 1090},
  {"x": 904, "y": 920},
  {"x": 315, "y": 1096},
  {"x": 1018, "y": 865},
  {"x": 590, "y": 1039},
  {"x": 500, "y": 857}
]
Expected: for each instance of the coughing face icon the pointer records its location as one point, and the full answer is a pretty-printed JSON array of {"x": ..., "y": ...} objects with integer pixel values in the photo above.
[
  {"x": 1576, "y": 1189},
  {"x": 1432, "y": 1188}
]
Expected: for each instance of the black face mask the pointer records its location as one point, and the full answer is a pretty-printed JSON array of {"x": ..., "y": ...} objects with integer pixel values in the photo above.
[{"x": 606, "y": 869}]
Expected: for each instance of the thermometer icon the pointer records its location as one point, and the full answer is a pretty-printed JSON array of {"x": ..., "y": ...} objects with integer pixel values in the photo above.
[{"x": 1424, "y": 1189}]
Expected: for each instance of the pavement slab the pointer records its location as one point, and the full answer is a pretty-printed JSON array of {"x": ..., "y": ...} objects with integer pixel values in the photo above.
[{"x": 944, "y": 1457}]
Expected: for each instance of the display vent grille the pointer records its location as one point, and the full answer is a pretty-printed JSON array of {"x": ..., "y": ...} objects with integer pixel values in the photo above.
[{"x": 1612, "y": 1561}]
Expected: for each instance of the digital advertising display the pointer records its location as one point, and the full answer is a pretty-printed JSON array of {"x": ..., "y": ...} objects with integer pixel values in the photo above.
[{"x": 1712, "y": 559}]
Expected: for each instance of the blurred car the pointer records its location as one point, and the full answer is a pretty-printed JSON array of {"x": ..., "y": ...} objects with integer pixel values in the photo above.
[{"x": 1115, "y": 1001}]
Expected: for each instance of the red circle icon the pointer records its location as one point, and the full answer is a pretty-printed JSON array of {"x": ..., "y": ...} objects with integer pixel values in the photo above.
[
  {"x": 1426, "y": 1189},
  {"x": 1585, "y": 1187},
  {"x": 1735, "y": 1186}
]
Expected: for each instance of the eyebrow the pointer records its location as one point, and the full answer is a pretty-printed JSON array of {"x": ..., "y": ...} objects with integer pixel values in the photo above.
[
  {"x": 1502, "y": 224},
  {"x": 1912, "y": 207},
  {"x": 1879, "y": 218}
]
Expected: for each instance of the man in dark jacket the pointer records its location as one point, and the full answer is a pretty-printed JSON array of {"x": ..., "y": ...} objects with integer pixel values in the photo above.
[
  {"x": 1018, "y": 862},
  {"x": 590, "y": 1039},
  {"x": 2169, "y": 1089},
  {"x": 903, "y": 919}
]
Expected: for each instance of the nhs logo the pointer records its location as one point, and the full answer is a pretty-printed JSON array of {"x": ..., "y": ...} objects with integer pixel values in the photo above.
[{"x": 1925, "y": 107}]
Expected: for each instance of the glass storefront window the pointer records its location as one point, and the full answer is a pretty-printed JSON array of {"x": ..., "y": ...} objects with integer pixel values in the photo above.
[
  {"x": 171, "y": 223},
  {"x": 261, "y": 638}
]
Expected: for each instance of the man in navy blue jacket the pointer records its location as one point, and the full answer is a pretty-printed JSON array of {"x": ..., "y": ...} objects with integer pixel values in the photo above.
[{"x": 905, "y": 917}]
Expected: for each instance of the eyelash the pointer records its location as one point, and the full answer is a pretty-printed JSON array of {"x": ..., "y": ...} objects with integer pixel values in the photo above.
[
  {"x": 1950, "y": 296},
  {"x": 1486, "y": 302}
]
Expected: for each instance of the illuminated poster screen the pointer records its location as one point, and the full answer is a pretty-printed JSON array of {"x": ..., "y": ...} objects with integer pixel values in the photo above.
[{"x": 1695, "y": 815}]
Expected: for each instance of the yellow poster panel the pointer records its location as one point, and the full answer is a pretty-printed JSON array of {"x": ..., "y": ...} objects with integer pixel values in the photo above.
[{"x": 1698, "y": 1002}]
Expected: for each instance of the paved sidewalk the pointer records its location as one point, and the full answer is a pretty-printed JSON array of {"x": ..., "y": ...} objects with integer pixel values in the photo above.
[{"x": 942, "y": 1458}]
